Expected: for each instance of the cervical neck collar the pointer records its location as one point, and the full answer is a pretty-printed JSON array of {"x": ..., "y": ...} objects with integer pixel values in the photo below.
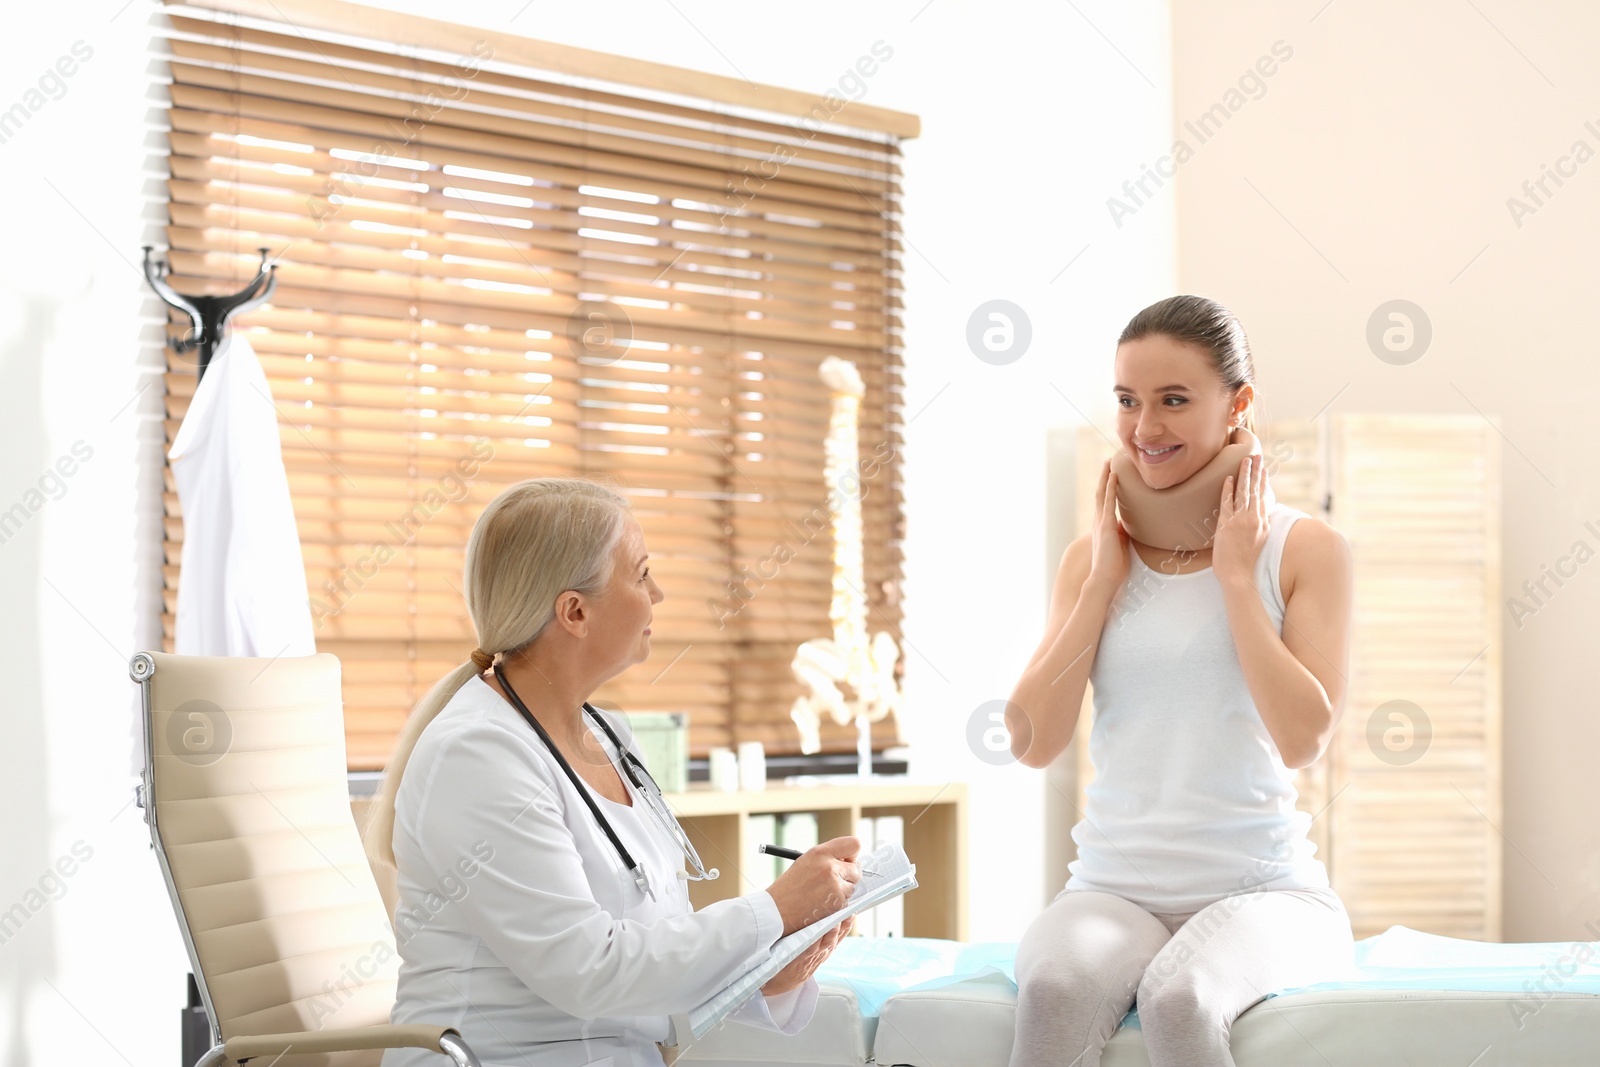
[{"x": 1182, "y": 517}]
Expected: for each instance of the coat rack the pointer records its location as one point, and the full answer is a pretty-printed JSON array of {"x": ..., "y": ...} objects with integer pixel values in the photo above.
[{"x": 209, "y": 315}]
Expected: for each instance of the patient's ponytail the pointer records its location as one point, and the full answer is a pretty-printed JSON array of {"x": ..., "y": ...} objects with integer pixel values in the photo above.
[
  {"x": 533, "y": 542},
  {"x": 1209, "y": 326}
]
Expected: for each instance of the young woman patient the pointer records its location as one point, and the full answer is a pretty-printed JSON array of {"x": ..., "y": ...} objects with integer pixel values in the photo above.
[{"x": 1219, "y": 660}]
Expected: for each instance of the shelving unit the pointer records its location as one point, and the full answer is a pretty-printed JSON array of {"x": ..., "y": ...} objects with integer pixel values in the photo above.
[{"x": 935, "y": 815}]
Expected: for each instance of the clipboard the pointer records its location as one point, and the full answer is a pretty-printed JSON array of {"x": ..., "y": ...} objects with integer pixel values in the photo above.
[{"x": 893, "y": 875}]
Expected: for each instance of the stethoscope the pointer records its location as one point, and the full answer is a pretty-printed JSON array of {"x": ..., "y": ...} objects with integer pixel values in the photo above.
[{"x": 644, "y": 785}]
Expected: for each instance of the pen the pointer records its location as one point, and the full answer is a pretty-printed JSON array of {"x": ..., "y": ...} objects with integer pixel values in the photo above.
[
  {"x": 779, "y": 851},
  {"x": 788, "y": 854}
]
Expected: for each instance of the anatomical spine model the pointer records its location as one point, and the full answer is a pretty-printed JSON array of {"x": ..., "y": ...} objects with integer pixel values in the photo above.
[{"x": 864, "y": 667}]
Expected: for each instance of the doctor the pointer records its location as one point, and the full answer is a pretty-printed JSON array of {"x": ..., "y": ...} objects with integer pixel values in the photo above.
[{"x": 543, "y": 901}]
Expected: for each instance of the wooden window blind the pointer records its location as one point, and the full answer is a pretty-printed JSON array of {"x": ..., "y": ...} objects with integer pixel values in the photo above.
[{"x": 501, "y": 259}]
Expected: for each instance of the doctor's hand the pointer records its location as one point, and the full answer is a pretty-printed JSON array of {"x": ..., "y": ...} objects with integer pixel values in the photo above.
[
  {"x": 817, "y": 884},
  {"x": 806, "y": 964}
]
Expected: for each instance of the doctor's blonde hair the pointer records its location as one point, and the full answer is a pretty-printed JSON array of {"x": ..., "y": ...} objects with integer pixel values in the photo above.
[{"x": 536, "y": 540}]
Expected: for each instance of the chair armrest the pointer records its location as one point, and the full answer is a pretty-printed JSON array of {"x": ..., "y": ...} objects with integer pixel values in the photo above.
[{"x": 338, "y": 1040}]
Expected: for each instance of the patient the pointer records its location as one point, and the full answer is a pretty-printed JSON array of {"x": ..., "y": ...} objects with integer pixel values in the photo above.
[{"x": 1219, "y": 663}]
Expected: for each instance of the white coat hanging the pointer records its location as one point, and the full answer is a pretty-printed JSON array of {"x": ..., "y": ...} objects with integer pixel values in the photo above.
[{"x": 242, "y": 585}]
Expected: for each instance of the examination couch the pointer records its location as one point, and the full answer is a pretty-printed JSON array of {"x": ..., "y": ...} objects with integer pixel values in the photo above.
[{"x": 1418, "y": 1000}]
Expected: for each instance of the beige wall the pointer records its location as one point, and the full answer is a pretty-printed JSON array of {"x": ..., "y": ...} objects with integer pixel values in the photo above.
[{"x": 1376, "y": 164}]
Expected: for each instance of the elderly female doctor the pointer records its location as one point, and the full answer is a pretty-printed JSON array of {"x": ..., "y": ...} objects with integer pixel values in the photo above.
[{"x": 543, "y": 903}]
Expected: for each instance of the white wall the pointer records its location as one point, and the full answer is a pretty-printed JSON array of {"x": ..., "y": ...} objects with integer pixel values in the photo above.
[
  {"x": 97, "y": 960},
  {"x": 1031, "y": 117}
]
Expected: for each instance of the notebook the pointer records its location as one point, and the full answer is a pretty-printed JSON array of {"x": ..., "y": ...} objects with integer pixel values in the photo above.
[{"x": 892, "y": 874}]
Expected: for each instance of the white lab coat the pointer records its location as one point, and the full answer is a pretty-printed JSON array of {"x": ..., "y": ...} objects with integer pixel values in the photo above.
[
  {"x": 242, "y": 586},
  {"x": 519, "y": 925}
]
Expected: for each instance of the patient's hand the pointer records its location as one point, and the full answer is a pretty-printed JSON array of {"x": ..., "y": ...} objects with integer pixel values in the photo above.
[{"x": 806, "y": 964}]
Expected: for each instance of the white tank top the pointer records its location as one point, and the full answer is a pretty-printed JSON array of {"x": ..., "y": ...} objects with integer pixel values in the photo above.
[{"x": 1191, "y": 801}]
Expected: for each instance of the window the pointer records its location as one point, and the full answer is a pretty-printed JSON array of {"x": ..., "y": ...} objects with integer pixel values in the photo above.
[{"x": 501, "y": 259}]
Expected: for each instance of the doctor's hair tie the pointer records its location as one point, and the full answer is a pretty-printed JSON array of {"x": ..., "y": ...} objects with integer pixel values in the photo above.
[{"x": 481, "y": 659}]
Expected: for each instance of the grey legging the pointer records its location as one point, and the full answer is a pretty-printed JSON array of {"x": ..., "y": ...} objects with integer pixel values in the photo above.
[{"x": 1085, "y": 957}]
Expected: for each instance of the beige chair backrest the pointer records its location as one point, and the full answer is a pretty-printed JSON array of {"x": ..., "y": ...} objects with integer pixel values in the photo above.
[{"x": 252, "y": 817}]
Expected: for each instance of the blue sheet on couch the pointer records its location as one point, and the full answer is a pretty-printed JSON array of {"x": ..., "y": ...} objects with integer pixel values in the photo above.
[
  {"x": 876, "y": 968},
  {"x": 1403, "y": 958}
]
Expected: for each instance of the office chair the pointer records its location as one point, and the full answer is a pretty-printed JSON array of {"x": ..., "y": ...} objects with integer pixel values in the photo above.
[{"x": 246, "y": 795}]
